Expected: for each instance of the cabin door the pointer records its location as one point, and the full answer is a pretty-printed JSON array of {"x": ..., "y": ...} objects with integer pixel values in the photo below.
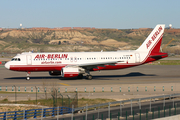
[{"x": 29, "y": 60}]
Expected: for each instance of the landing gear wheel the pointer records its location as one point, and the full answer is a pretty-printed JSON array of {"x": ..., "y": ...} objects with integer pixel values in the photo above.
[
  {"x": 28, "y": 74},
  {"x": 89, "y": 77},
  {"x": 28, "y": 78},
  {"x": 80, "y": 76}
]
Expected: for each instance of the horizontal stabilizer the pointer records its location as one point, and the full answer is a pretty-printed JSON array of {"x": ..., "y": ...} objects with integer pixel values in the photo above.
[{"x": 158, "y": 55}]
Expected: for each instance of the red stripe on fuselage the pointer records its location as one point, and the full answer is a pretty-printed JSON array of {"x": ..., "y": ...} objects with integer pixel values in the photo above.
[{"x": 36, "y": 67}]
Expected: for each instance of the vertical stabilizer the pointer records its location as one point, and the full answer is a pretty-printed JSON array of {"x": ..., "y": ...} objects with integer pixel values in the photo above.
[{"x": 153, "y": 41}]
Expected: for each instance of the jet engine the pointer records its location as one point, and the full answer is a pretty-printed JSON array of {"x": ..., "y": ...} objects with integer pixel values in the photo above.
[
  {"x": 69, "y": 72},
  {"x": 54, "y": 73}
]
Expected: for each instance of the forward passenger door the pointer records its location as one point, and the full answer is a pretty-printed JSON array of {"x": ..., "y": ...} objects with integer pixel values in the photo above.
[{"x": 29, "y": 60}]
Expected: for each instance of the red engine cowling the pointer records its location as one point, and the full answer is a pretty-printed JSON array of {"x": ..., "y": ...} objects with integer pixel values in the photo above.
[
  {"x": 69, "y": 72},
  {"x": 54, "y": 73}
]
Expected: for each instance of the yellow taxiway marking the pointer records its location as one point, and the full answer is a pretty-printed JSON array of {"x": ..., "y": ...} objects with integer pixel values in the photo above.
[{"x": 64, "y": 84}]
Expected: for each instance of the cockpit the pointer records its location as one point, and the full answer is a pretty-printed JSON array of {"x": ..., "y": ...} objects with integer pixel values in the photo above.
[{"x": 16, "y": 59}]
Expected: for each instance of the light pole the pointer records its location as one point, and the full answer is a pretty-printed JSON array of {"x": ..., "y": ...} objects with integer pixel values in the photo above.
[
  {"x": 15, "y": 94},
  {"x": 69, "y": 100},
  {"x": 62, "y": 99},
  {"x": 36, "y": 95}
]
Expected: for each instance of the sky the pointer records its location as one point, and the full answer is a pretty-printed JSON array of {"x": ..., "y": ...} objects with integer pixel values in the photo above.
[{"x": 120, "y": 14}]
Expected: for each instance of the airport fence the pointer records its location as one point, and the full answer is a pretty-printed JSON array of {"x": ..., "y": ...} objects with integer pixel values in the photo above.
[
  {"x": 35, "y": 113},
  {"x": 142, "y": 108},
  {"x": 67, "y": 96},
  {"x": 137, "y": 114},
  {"x": 46, "y": 96},
  {"x": 135, "y": 109},
  {"x": 65, "y": 89}
]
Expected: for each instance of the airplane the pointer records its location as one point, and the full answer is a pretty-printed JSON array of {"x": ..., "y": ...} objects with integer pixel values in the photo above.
[{"x": 75, "y": 64}]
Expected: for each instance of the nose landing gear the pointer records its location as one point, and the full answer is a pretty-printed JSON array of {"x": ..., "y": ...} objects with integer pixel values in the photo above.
[{"x": 28, "y": 76}]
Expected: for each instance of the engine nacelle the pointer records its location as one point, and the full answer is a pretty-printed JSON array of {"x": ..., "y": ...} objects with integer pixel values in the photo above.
[
  {"x": 69, "y": 72},
  {"x": 54, "y": 73}
]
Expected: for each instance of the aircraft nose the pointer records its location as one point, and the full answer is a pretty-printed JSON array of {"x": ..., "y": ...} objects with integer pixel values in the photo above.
[{"x": 7, "y": 65}]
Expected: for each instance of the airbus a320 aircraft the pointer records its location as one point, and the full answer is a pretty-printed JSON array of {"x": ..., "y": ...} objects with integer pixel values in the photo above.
[{"x": 75, "y": 64}]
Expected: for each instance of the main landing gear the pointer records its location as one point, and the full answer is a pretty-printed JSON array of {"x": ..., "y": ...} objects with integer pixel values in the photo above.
[
  {"x": 28, "y": 76},
  {"x": 88, "y": 76},
  {"x": 80, "y": 76}
]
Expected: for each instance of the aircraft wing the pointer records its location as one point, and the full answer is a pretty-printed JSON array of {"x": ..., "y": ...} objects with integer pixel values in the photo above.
[{"x": 95, "y": 65}]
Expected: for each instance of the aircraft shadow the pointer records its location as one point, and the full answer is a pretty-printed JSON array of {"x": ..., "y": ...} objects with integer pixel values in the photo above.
[
  {"x": 99, "y": 77},
  {"x": 133, "y": 74},
  {"x": 31, "y": 77}
]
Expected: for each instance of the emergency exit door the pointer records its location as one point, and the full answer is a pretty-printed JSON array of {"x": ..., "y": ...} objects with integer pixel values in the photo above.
[{"x": 137, "y": 57}]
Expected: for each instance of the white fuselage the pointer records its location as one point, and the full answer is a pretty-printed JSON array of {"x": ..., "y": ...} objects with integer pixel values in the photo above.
[{"x": 38, "y": 61}]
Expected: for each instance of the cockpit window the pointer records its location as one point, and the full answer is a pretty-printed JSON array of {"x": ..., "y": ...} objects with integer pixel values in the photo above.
[{"x": 16, "y": 59}]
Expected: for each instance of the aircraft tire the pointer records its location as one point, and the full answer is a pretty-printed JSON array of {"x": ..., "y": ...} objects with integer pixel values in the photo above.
[
  {"x": 28, "y": 78},
  {"x": 89, "y": 77}
]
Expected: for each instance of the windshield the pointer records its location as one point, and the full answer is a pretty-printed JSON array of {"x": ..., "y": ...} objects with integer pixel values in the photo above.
[{"x": 15, "y": 59}]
